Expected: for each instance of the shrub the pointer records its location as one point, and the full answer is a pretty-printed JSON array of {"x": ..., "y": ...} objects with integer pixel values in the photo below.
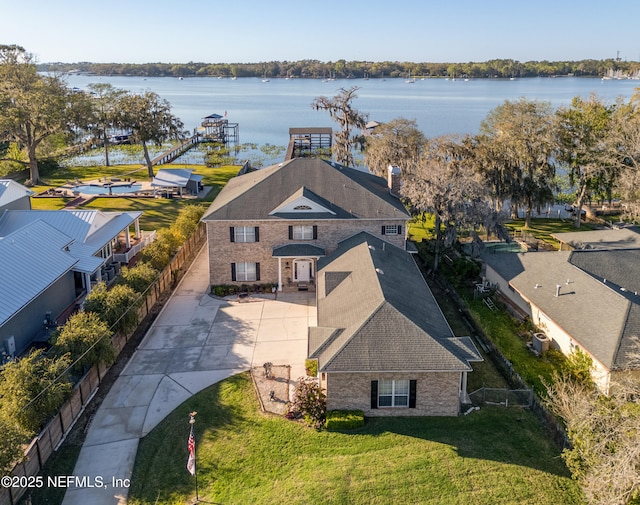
[
  {"x": 33, "y": 388},
  {"x": 13, "y": 437},
  {"x": 188, "y": 219},
  {"x": 87, "y": 339},
  {"x": 159, "y": 253},
  {"x": 340, "y": 420},
  {"x": 311, "y": 366},
  {"x": 310, "y": 401},
  {"x": 115, "y": 306},
  {"x": 139, "y": 277}
]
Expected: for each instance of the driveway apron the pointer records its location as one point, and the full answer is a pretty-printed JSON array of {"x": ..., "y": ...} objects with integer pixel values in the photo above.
[{"x": 196, "y": 341}]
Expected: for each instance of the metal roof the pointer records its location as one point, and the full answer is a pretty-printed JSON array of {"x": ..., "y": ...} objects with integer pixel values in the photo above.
[
  {"x": 11, "y": 191},
  {"x": 174, "y": 177},
  {"x": 33, "y": 258}
]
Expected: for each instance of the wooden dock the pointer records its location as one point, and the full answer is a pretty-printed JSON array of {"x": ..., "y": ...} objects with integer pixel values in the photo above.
[{"x": 175, "y": 152}]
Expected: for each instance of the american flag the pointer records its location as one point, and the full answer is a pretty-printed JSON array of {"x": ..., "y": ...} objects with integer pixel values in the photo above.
[{"x": 191, "y": 447}]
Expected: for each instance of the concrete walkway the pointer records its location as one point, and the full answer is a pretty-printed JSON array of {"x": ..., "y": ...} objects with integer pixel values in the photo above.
[{"x": 196, "y": 341}]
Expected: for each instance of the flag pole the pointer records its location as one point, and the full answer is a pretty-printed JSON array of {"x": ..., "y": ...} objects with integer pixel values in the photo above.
[{"x": 192, "y": 452}]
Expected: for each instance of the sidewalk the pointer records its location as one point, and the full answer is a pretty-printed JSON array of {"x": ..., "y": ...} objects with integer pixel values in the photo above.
[{"x": 196, "y": 341}]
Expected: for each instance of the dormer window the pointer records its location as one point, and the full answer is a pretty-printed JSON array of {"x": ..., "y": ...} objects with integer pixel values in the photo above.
[{"x": 302, "y": 207}]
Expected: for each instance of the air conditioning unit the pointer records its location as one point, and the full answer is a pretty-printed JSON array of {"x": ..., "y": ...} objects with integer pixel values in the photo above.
[
  {"x": 10, "y": 346},
  {"x": 540, "y": 343}
]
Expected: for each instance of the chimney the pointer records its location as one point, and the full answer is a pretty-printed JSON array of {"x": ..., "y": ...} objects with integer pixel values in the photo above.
[{"x": 393, "y": 180}]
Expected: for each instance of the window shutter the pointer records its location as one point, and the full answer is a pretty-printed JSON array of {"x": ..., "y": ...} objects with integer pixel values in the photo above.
[
  {"x": 290, "y": 232},
  {"x": 399, "y": 229},
  {"x": 412, "y": 394},
  {"x": 257, "y": 271},
  {"x": 374, "y": 394},
  {"x": 315, "y": 232},
  {"x": 383, "y": 230},
  {"x": 233, "y": 271},
  {"x": 257, "y": 232},
  {"x": 232, "y": 234}
]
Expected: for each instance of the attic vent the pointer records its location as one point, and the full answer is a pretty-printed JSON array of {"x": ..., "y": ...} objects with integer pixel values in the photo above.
[
  {"x": 379, "y": 270},
  {"x": 302, "y": 207}
]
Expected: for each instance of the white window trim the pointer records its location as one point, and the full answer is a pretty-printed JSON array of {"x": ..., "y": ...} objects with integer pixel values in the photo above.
[
  {"x": 302, "y": 232},
  {"x": 394, "y": 393},
  {"x": 246, "y": 271},
  {"x": 244, "y": 233},
  {"x": 391, "y": 229}
]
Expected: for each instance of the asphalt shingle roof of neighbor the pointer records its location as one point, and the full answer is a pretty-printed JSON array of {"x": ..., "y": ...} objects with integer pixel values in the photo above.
[
  {"x": 595, "y": 314},
  {"x": 347, "y": 192},
  {"x": 622, "y": 238},
  {"x": 376, "y": 313}
]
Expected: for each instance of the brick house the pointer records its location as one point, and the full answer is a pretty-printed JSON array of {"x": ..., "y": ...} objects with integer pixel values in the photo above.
[
  {"x": 273, "y": 225},
  {"x": 382, "y": 343}
]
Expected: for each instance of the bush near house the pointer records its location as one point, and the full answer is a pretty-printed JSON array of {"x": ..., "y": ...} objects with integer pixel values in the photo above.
[{"x": 342, "y": 420}]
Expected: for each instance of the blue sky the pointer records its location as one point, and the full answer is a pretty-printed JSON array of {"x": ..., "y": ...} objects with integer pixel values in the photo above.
[{"x": 227, "y": 31}]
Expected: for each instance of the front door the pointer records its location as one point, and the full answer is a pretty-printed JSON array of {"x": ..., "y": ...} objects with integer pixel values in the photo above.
[{"x": 302, "y": 270}]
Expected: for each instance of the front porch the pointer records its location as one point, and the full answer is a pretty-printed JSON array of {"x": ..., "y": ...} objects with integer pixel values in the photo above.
[{"x": 297, "y": 266}]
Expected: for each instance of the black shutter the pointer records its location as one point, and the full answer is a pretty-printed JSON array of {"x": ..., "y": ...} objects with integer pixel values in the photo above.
[
  {"x": 257, "y": 231},
  {"x": 374, "y": 394},
  {"x": 257, "y": 271},
  {"x": 290, "y": 232},
  {"x": 232, "y": 233},
  {"x": 383, "y": 230},
  {"x": 412, "y": 394},
  {"x": 315, "y": 232},
  {"x": 399, "y": 229},
  {"x": 233, "y": 271}
]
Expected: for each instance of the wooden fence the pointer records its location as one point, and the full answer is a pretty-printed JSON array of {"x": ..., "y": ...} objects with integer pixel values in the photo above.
[{"x": 49, "y": 439}]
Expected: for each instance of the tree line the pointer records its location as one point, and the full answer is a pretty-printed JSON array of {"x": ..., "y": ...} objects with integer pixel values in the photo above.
[
  {"x": 524, "y": 154},
  {"x": 36, "y": 108},
  {"x": 343, "y": 69}
]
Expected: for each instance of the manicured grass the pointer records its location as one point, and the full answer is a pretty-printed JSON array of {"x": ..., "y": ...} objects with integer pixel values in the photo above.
[
  {"x": 158, "y": 212},
  {"x": 542, "y": 228},
  {"x": 495, "y": 456}
]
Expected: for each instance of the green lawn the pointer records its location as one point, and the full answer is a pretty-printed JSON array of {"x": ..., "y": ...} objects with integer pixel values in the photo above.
[
  {"x": 542, "y": 228},
  {"x": 493, "y": 456},
  {"x": 158, "y": 212}
]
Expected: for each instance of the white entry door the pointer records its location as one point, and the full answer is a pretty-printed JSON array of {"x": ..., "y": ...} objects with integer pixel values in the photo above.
[{"x": 302, "y": 270}]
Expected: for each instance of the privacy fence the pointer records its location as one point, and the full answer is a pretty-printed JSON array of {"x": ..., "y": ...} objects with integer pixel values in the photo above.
[{"x": 49, "y": 439}]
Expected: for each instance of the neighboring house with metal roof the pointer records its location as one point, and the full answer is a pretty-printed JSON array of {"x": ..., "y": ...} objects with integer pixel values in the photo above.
[
  {"x": 14, "y": 196},
  {"x": 272, "y": 225},
  {"x": 382, "y": 343},
  {"x": 586, "y": 299},
  {"x": 50, "y": 258}
]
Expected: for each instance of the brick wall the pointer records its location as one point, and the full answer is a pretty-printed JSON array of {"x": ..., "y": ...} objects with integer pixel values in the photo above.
[
  {"x": 437, "y": 393},
  {"x": 223, "y": 252}
]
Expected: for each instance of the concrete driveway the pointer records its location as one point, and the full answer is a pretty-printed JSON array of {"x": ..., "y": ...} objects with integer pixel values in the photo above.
[{"x": 196, "y": 341}]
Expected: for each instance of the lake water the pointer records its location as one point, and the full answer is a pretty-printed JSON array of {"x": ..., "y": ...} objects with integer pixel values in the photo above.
[{"x": 266, "y": 110}]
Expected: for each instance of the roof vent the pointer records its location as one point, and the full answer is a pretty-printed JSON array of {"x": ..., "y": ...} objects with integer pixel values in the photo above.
[
  {"x": 379, "y": 270},
  {"x": 558, "y": 286},
  {"x": 372, "y": 247}
]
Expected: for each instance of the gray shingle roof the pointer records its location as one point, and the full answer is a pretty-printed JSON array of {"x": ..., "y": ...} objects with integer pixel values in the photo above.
[
  {"x": 292, "y": 250},
  {"x": 595, "y": 314},
  {"x": 623, "y": 238},
  {"x": 347, "y": 192},
  {"x": 388, "y": 318}
]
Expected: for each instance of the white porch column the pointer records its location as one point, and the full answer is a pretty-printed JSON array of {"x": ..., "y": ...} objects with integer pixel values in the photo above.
[
  {"x": 464, "y": 396},
  {"x": 279, "y": 273},
  {"x": 87, "y": 282},
  {"x": 127, "y": 239},
  {"x": 137, "y": 222}
]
